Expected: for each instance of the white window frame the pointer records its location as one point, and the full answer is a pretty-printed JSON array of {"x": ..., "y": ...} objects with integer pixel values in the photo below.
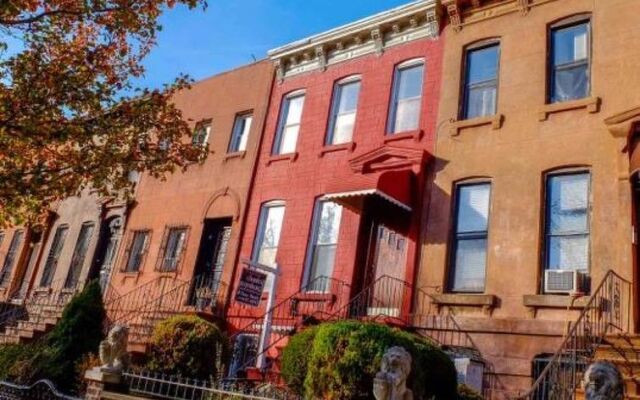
[
  {"x": 313, "y": 238},
  {"x": 240, "y": 134},
  {"x": 260, "y": 233},
  {"x": 206, "y": 125},
  {"x": 335, "y": 104},
  {"x": 393, "y": 109},
  {"x": 282, "y": 120}
]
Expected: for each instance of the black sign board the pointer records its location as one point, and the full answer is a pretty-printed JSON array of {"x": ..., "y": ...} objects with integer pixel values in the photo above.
[{"x": 251, "y": 287}]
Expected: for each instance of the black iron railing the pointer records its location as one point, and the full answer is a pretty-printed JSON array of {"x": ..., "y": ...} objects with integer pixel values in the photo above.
[
  {"x": 143, "y": 307},
  {"x": 606, "y": 313},
  {"x": 41, "y": 390}
]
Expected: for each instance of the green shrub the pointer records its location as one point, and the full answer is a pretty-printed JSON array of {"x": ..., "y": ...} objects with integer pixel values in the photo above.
[
  {"x": 467, "y": 393},
  {"x": 295, "y": 358},
  {"x": 187, "y": 346},
  {"x": 55, "y": 357},
  {"x": 345, "y": 357}
]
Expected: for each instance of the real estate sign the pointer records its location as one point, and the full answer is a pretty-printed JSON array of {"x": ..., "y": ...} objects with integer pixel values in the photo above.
[{"x": 251, "y": 287}]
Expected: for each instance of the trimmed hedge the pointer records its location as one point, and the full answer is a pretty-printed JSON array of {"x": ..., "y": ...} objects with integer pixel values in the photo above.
[
  {"x": 295, "y": 358},
  {"x": 344, "y": 357},
  {"x": 55, "y": 357},
  {"x": 187, "y": 346}
]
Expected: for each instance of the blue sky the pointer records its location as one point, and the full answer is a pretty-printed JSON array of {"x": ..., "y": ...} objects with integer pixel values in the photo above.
[{"x": 229, "y": 32}]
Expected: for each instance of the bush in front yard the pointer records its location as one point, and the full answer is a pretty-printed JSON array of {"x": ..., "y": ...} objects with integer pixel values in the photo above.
[
  {"x": 344, "y": 358},
  {"x": 187, "y": 346},
  {"x": 295, "y": 358},
  {"x": 56, "y": 355}
]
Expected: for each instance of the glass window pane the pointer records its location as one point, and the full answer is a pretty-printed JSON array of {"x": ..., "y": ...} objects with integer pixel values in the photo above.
[
  {"x": 481, "y": 101},
  {"x": 270, "y": 234},
  {"x": 473, "y": 208},
  {"x": 568, "y": 203},
  {"x": 569, "y": 252},
  {"x": 409, "y": 83},
  {"x": 322, "y": 263},
  {"x": 570, "y": 44},
  {"x": 289, "y": 139},
  {"x": 571, "y": 83},
  {"x": 482, "y": 64},
  {"x": 329, "y": 224},
  {"x": 348, "y": 97},
  {"x": 470, "y": 265},
  {"x": 407, "y": 115},
  {"x": 343, "y": 130},
  {"x": 294, "y": 110},
  {"x": 244, "y": 135}
]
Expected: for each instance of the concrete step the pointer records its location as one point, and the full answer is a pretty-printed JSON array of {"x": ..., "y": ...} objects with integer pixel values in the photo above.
[
  {"x": 624, "y": 341},
  {"x": 625, "y": 352}
]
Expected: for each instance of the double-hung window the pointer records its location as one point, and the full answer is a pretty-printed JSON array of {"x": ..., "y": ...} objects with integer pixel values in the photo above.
[
  {"x": 265, "y": 248},
  {"x": 469, "y": 256},
  {"x": 481, "y": 81},
  {"x": 240, "y": 134},
  {"x": 10, "y": 259},
  {"x": 51, "y": 264},
  {"x": 137, "y": 250},
  {"x": 569, "y": 62},
  {"x": 79, "y": 255},
  {"x": 406, "y": 101},
  {"x": 289, "y": 125},
  {"x": 201, "y": 134},
  {"x": 173, "y": 247},
  {"x": 567, "y": 221},
  {"x": 343, "y": 111},
  {"x": 323, "y": 244}
]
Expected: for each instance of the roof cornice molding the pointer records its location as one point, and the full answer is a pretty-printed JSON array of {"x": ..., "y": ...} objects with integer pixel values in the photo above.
[
  {"x": 461, "y": 13},
  {"x": 372, "y": 35}
]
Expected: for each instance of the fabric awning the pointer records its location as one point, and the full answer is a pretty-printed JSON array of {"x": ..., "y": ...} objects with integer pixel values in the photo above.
[{"x": 394, "y": 187}]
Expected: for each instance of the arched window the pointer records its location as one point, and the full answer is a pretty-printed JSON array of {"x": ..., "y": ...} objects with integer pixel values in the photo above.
[
  {"x": 406, "y": 100},
  {"x": 344, "y": 107},
  {"x": 480, "y": 83}
]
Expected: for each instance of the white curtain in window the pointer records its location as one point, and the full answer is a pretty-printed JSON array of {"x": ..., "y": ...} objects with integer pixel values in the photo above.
[
  {"x": 481, "y": 101},
  {"x": 569, "y": 252},
  {"x": 470, "y": 267},
  {"x": 408, "y": 115}
]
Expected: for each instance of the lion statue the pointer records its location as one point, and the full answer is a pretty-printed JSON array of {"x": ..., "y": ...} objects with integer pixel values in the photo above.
[
  {"x": 391, "y": 382},
  {"x": 603, "y": 381},
  {"x": 113, "y": 350}
]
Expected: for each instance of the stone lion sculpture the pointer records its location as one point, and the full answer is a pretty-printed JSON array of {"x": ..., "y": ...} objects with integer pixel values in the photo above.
[
  {"x": 113, "y": 350},
  {"x": 391, "y": 382},
  {"x": 603, "y": 381}
]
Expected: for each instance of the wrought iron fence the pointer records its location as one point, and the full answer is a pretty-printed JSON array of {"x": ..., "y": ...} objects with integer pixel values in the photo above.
[
  {"x": 163, "y": 386},
  {"x": 41, "y": 390},
  {"x": 607, "y": 312}
]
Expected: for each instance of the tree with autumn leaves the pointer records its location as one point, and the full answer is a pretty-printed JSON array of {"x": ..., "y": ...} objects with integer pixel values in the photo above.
[{"x": 70, "y": 115}]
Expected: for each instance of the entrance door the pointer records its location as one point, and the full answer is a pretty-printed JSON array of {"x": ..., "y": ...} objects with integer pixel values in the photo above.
[
  {"x": 105, "y": 252},
  {"x": 210, "y": 261},
  {"x": 25, "y": 275},
  {"x": 635, "y": 182},
  {"x": 386, "y": 271}
]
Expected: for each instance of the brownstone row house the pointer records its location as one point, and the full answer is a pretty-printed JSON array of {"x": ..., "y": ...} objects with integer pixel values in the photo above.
[
  {"x": 533, "y": 195},
  {"x": 466, "y": 169}
]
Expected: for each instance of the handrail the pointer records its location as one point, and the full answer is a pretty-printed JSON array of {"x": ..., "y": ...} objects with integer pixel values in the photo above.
[{"x": 604, "y": 311}]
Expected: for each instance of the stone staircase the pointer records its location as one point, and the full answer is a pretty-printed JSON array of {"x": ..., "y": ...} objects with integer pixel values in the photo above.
[
  {"x": 34, "y": 322},
  {"x": 624, "y": 352}
]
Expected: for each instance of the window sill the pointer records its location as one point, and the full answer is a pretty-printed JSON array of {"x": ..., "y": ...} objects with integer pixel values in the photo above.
[
  {"x": 551, "y": 301},
  {"x": 592, "y": 104},
  {"x": 237, "y": 154},
  {"x": 291, "y": 157},
  {"x": 486, "y": 301},
  {"x": 494, "y": 120},
  {"x": 394, "y": 137},
  {"x": 333, "y": 148}
]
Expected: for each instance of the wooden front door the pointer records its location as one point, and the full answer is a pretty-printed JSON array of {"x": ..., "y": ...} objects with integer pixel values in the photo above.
[{"x": 387, "y": 271}]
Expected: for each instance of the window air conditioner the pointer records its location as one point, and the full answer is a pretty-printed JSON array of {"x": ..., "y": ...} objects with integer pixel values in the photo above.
[{"x": 564, "y": 281}]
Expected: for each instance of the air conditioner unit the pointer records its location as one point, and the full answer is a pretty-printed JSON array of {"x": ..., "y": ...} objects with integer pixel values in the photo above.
[{"x": 564, "y": 281}]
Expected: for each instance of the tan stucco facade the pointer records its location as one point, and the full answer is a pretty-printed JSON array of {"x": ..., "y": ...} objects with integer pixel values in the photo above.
[{"x": 514, "y": 152}]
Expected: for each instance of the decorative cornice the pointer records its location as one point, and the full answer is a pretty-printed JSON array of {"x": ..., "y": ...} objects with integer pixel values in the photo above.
[
  {"x": 621, "y": 125},
  {"x": 391, "y": 157},
  {"x": 466, "y": 12},
  {"x": 373, "y": 35}
]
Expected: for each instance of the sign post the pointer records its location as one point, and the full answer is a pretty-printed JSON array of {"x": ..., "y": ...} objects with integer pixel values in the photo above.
[{"x": 252, "y": 282}]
